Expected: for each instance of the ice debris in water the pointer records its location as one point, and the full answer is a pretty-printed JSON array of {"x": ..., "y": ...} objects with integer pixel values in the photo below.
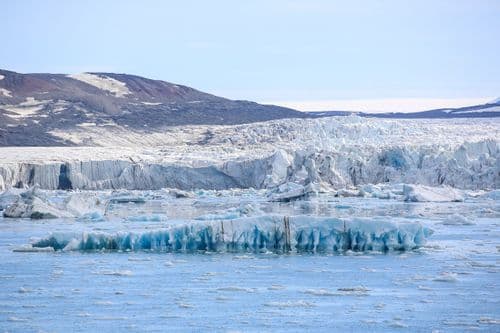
[
  {"x": 127, "y": 198},
  {"x": 292, "y": 191},
  {"x": 33, "y": 204},
  {"x": 36, "y": 204},
  {"x": 421, "y": 193},
  {"x": 9, "y": 196},
  {"x": 269, "y": 233},
  {"x": 494, "y": 195},
  {"x": 446, "y": 277},
  {"x": 230, "y": 214},
  {"x": 147, "y": 218},
  {"x": 87, "y": 205},
  {"x": 457, "y": 219}
]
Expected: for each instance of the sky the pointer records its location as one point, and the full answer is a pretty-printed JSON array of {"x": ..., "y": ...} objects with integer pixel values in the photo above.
[{"x": 312, "y": 55}]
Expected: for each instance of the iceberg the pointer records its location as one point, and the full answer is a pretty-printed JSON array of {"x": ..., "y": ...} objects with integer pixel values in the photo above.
[
  {"x": 420, "y": 193},
  {"x": 86, "y": 204},
  {"x": 270, "y": 233},
  {"x": 33, "y": 204},
  {"x": 36, "y": 204},
  {"x": 291, "y": 191},
  {"x": 9, "y": 196}
]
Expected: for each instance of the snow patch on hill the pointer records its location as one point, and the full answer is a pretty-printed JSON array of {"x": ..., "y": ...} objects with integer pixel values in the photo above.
[
  {"x": 118, "y": 88},
  {"x": 488, "y": 109},
  {"x": 5, "y": 92},
  {"x": 27, "y": 108}
]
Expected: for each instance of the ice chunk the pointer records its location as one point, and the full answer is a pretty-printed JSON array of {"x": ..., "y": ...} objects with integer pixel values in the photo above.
[
  {"x": 33, "y": 204},
  {"x": 290, "y": 304},
  {"x": 381, "y": 191},
  {"x": 270, "y": 233},
  {"x": 457, "y": 219},
  {"x": 127, "y": 198},
  {"x": 230, "y": 214},
  {"x": 86, "y": 204},
  {"x": 9, "y": 196},
  {"x": 348, "y": 193},
  {"x": 421, "y": 193},
  {"x": 494, "y": 195},
  {"x": 488, "y": 321},
  {"x": 30, "y": 248},
  {"x": 446, "y": 277},
  {"x": 292, "y": 191},
  {"x": 147, "y": 218},
  {"x": 181, "y": 194}
]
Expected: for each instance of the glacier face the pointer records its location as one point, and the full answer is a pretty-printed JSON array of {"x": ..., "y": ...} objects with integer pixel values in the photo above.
[
  {"x": 331, "y": 152},
  {"x": 255, "y": 234}
]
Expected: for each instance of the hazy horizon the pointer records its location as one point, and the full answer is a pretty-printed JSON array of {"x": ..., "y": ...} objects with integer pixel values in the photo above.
[{"x": 380, "y": 105}]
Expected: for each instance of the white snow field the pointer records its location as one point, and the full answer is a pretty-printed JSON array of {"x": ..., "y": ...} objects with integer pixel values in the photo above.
[
  {"x": 326, "y": 225},
  {"x": 103, "y": 82}
]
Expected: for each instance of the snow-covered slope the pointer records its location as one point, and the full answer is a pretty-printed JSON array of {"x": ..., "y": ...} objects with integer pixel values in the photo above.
[
  {"x": 33, "y": 105},
  {"x": 333, "y": 152}
]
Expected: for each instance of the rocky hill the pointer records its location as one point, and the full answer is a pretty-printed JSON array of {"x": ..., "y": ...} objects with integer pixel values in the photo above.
[{"x": 34, "y": 106}]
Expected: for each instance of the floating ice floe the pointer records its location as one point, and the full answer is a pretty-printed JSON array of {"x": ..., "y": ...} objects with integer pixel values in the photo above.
[
  {"x": 269, "y": 233},
  {"x": 180, "y": 194},
  {"x": 86, "y": 204},
  {"x": 31, "y": 248},
  {"x": 147, "y": 218},
  {"x": 457, "y": 219},
  {"x": 124, "y": 197},
  {"x": 35, "y": 203},
  {"x": 292, "y": 191},
  {"x": 382, "y": 191},
  {"x": 32, "y": 204},
  {"x": 421, "y": 193},
  {"x": 9, "y": 196},
  {"x": 494, "y": 195},
  {"x": 230, "y": 214}
]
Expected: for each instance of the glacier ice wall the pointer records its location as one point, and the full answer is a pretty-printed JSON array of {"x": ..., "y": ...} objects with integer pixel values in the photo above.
[
  {"x": 256, "y": 234},
  {"x": 468, "y": 166},
  {"x": 334, "y": 152}
]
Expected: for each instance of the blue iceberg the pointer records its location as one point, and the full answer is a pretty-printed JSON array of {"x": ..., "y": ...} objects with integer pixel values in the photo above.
[{"x": 271, "y": 233}]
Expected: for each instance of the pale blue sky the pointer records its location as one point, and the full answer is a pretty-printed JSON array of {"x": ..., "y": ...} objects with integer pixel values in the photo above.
[{"x": 288, "y": 51}]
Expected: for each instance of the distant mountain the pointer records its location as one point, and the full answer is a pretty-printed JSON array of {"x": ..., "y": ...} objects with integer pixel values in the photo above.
[
  {"x": 487, "y": 110},
  {"x": 33, "y": 105},
  {"x": 477, "y": 111}
]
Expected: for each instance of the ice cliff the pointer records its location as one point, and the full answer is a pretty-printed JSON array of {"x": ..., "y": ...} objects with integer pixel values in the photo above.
[{"x": 331, "y": 153}]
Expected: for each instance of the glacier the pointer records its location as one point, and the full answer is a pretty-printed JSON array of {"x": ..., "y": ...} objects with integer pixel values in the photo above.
[
  {"x": 277, "y": 234},
  {"x": 332, "y": 152}
]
